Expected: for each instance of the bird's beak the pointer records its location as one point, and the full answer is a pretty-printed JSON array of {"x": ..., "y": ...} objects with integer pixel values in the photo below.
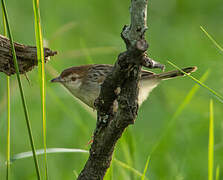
[{"x": 57, "y": 79}]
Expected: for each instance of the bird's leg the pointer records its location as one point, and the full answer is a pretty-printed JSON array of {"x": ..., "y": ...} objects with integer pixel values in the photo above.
[{"x": 150, "y": 63}]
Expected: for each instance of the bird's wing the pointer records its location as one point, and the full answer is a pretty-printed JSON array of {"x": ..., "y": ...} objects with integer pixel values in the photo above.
[{"x": 146, "y": 74}]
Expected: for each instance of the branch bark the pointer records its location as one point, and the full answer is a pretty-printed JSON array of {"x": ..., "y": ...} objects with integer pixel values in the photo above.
[
  {"x": 120, "y": 87},
  {"x": 26, "y": 56}
]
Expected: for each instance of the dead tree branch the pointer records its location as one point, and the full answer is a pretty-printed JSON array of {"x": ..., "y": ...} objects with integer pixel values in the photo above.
[
  {"x": 26, "y": 56},
  {"x": 120, "y": 86}
]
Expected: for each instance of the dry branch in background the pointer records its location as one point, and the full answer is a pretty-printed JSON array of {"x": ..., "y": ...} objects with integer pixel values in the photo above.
[
  {"x": 26, "y": 56},
  {"x": 120, "y": 86}
]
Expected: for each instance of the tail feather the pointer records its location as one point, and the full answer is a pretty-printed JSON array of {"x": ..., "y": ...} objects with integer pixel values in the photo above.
[{"x": 175, "y": 73}]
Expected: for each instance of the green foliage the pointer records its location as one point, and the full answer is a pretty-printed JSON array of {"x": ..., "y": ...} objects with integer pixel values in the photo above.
[
  {"x": 41, "y": 68},
  {"x": 89, "y": 31},
  {"x": 213, "y": 92},
  {"x": 8, "y": 112},
  {"x": 217, "y": 172},
  {"x": 211, "y": 143},
  {"x": 21, "y": 90},
  {"x": 145, "y": 169},
  {"x": 212, "y": 39},
  {"x": 127, "y": 167}
]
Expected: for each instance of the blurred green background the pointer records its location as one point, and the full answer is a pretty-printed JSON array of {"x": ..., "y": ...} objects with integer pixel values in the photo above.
[{"x": 86, "y": 32}]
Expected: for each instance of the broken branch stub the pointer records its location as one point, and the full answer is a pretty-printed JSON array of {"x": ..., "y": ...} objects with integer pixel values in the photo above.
[{"x": 26, "y": 56}]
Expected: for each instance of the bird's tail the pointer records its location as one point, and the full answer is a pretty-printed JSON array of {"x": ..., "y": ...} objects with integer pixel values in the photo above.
[{"x": 175, "y": 73}]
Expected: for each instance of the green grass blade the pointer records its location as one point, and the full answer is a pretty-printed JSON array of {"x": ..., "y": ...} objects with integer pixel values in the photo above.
[
  {"x": 41, "y": 68},
  {"x": 217, "y": 172},
  {"x": 146, "y": 167},
  {"x": 211, "y": 143},
  {"x": 8, "y": 129},
  {"x": 8, "y": 114},
  {"x": 28, "y": 154},
  {"x": 21, "y": 91},
  {"x": 190, "y": 95},
  {"x": 213, "y": 92},
  {"x": 126, "y": 166},
  {"x": 8, "y": 126},
  {"x": 212, "y": 39},
  {"x": 75, "y": 174}
]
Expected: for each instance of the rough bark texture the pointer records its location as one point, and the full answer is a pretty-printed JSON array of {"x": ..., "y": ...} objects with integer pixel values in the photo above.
[
  {"x": 120, "y": 86},
  {"x": 26, "y": 56}
]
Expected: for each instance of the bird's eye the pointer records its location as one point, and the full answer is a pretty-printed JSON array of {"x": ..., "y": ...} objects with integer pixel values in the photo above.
[{"x": 73, "y": 78}]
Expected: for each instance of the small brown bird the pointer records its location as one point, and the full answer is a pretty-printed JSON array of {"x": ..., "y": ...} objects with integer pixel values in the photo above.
[{"x": 84, "y": 82}]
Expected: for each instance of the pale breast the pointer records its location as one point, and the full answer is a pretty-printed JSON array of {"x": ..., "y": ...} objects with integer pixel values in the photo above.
[{"x": 145, "y": 87}]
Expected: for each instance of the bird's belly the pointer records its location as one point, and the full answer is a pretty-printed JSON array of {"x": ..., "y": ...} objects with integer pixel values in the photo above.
[
  {"x": 145, "y": 87},
  {"x": 88, "y": 98}
]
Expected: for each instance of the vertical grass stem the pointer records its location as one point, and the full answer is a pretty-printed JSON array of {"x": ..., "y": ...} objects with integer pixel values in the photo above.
[{"x": 21, "y": 90}]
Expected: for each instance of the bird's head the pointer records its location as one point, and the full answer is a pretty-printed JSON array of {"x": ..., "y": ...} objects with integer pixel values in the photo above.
[{"x": 73, "y": 77}]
